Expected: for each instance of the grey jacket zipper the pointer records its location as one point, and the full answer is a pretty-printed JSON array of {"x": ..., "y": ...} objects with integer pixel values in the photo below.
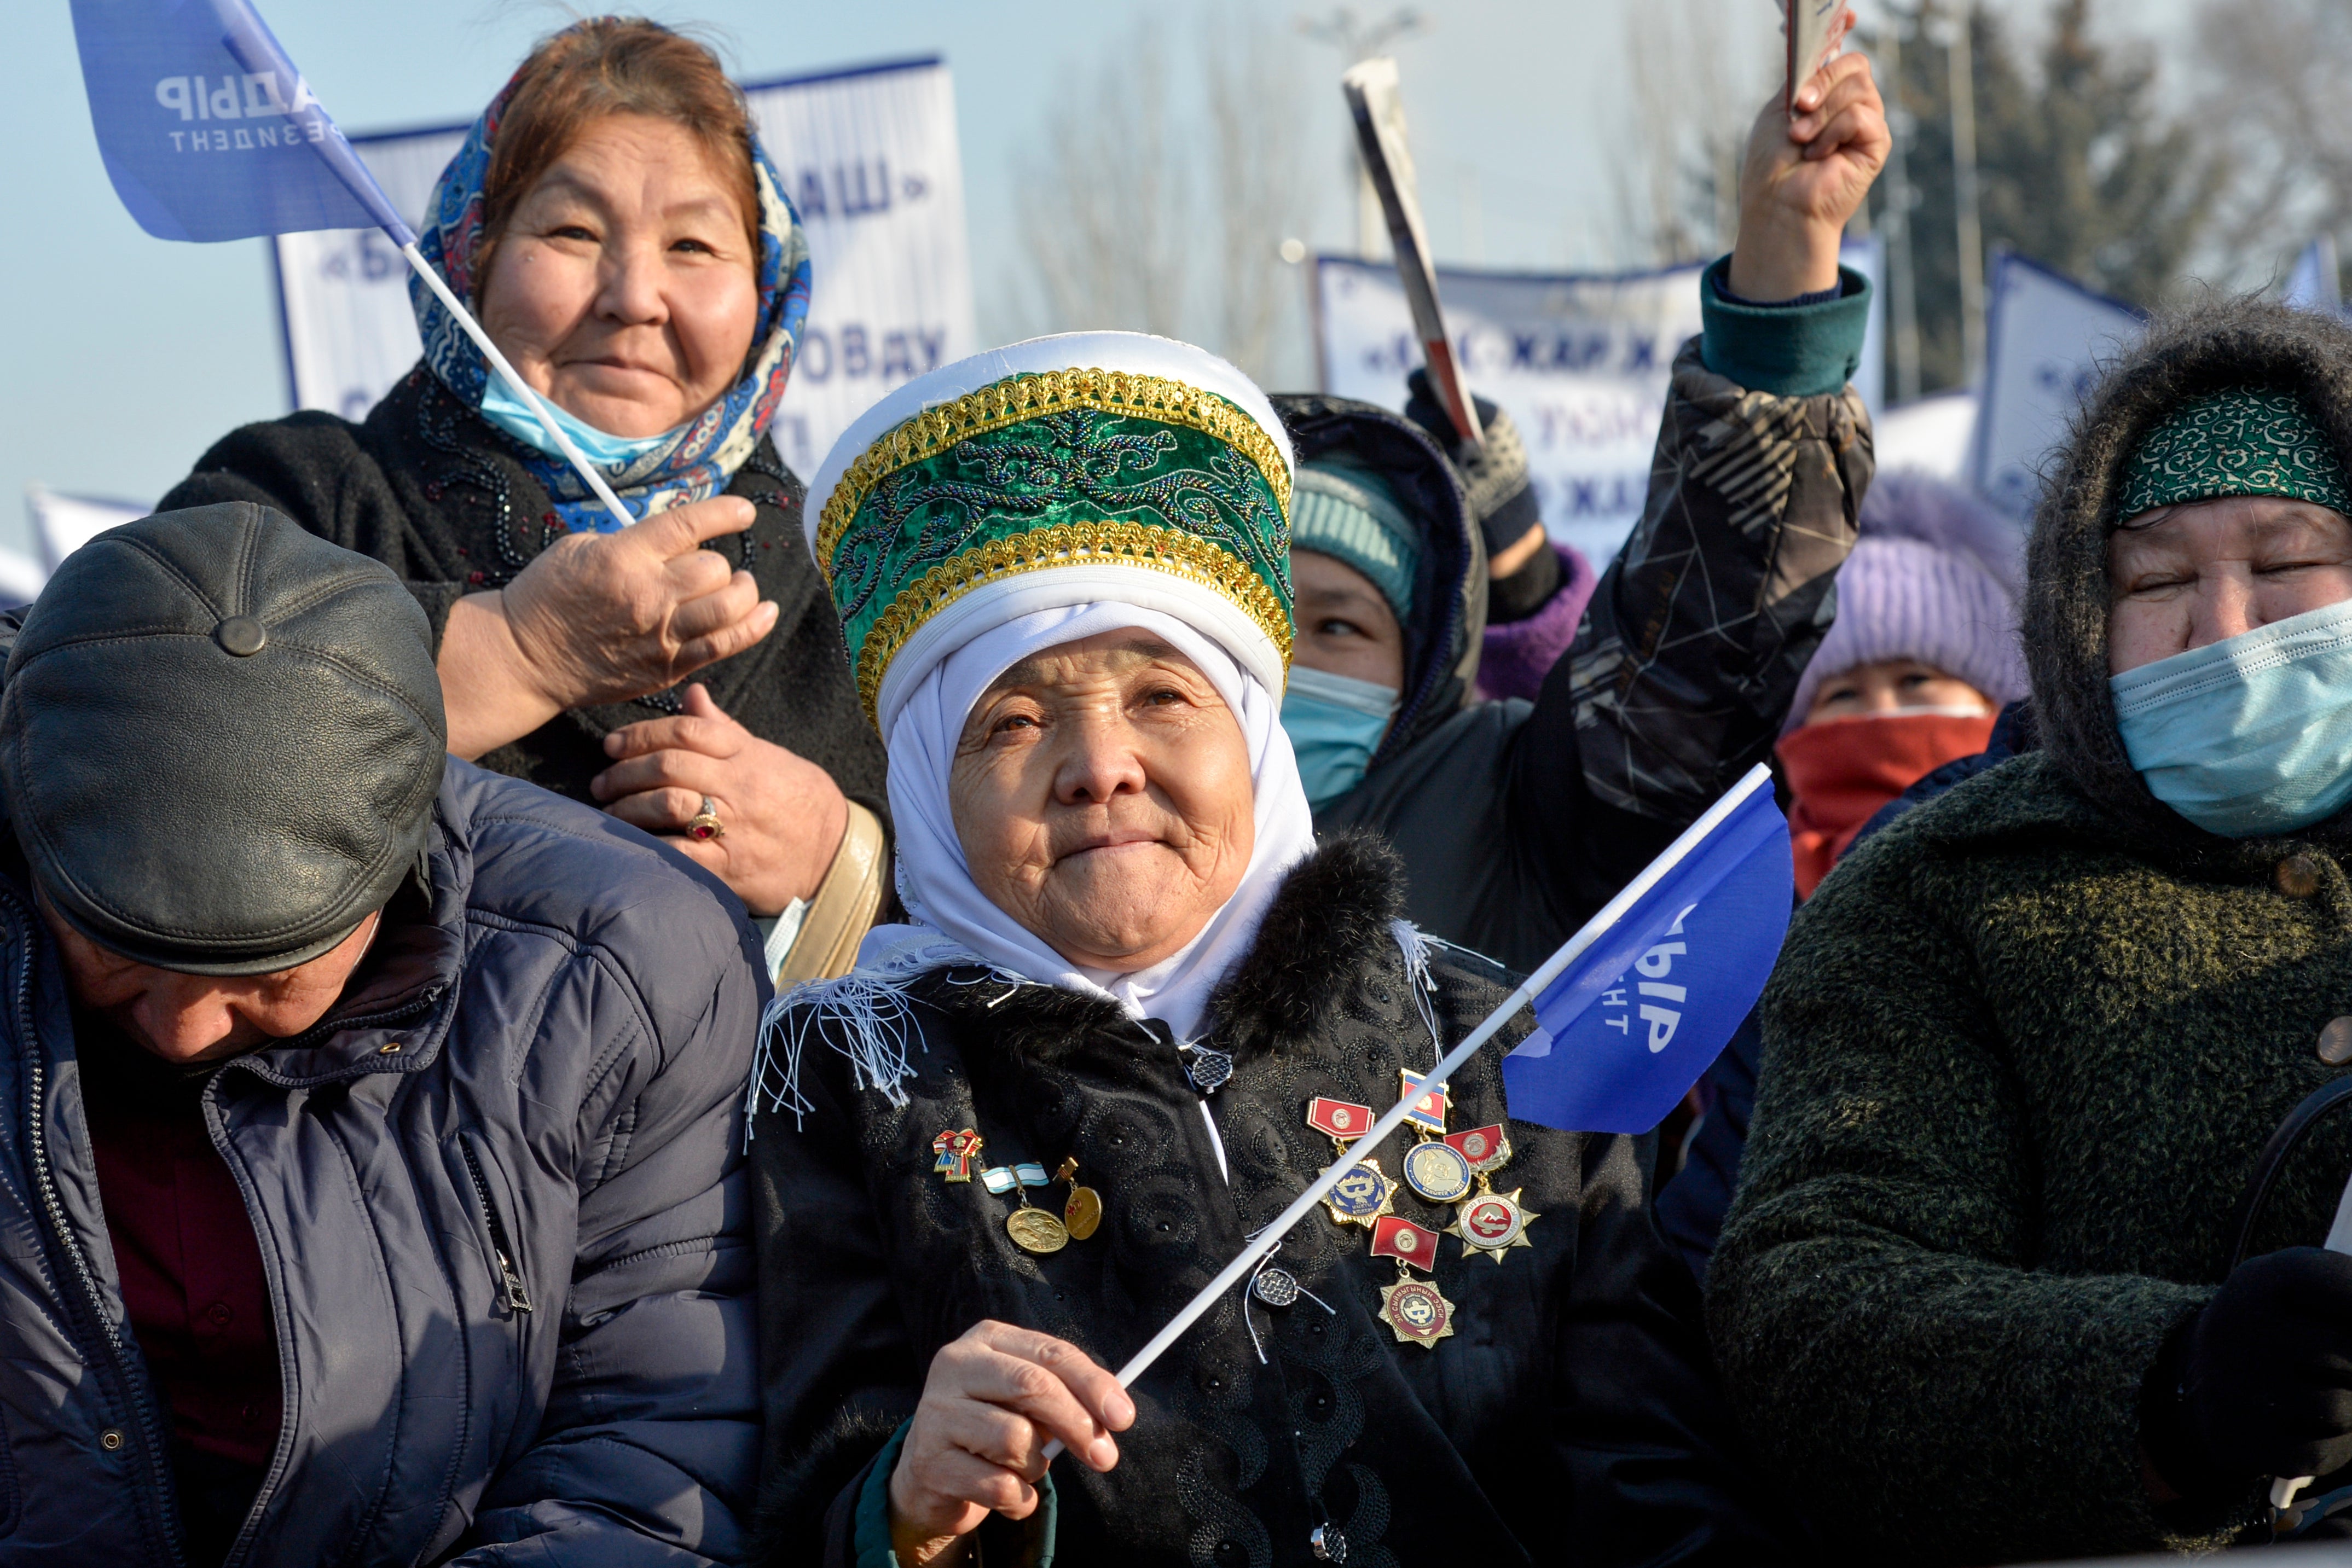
[
  {"x": 94, "y": 1304},
  {"x": 511, "y": 1293}
]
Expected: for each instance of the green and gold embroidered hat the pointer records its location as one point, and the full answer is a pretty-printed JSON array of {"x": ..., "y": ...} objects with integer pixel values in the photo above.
[
  {"x": 2246, "y": 441},
  {"x": 1063, "y": 471}
]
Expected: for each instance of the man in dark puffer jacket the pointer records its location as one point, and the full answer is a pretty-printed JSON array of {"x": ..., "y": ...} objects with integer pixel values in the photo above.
[{"x": 370, "y": 1143}]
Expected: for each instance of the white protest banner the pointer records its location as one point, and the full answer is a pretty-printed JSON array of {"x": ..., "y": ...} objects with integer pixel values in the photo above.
[
  {"x": 1580, "y": 363},
  {"x": 870, "y": 158},
  {"x": 63, "y": 524},
  {"x": 2046, "y": 336}
]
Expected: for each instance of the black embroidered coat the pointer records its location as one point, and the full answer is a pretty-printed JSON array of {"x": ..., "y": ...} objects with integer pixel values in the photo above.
[
  {"x": 426, "y": 486},
  {"x": 1571, "y": 1417}
]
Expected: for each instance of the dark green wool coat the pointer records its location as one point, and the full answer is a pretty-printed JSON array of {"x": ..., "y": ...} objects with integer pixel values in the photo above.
[{"x": 2020, "y": 1054}]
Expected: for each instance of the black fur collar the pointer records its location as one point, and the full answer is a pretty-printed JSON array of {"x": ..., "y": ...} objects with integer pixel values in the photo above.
[{"x": 1330, "y": 918}]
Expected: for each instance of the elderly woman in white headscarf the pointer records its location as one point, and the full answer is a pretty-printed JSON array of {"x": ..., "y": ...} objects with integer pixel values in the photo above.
[{"x": 1132, "y": 1010}]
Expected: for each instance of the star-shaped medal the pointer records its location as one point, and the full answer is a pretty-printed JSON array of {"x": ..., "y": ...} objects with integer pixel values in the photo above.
[
  {"x": 1417, "y": 1311},
  {"x": 1493, "y": 1223}
]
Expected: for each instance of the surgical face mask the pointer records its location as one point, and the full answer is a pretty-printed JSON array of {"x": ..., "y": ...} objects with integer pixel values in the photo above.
[
  {"x": 2250, "y": 735},
  {"x": 505, "y": 408},
  {"x": 1334, "y": 722}
]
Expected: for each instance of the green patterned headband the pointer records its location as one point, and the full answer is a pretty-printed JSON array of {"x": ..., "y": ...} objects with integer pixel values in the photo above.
[
  {"x": 2243, "y": 442},
  {"x": 1074, "y": 468}
]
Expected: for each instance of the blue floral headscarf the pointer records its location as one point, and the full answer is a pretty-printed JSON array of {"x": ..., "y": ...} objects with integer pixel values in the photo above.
[{"x": 700, "y": 457}]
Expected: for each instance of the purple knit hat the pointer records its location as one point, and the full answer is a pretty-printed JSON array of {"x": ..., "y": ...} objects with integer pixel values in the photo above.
[{"x": 1934, "y": 577}]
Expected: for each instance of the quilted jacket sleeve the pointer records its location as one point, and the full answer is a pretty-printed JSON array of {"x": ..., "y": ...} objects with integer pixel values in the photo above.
[
  {"x": 1691, "y": 649},
  {"x": 650, "y": 1444}
]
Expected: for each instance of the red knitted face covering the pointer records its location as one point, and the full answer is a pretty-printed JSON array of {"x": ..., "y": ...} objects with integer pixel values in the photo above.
[{"x": 1842, "y": 770}]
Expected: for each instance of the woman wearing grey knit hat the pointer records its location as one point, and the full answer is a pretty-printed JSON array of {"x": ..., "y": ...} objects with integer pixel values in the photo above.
[{"x": 2023, "y": 1263}]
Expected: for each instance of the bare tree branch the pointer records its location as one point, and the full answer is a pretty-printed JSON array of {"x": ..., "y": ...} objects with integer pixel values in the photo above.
[{"x": 1162, "y": 191}]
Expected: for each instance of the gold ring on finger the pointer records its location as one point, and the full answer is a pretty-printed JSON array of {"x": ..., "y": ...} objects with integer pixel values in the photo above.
[{"x": 705, "y": 824}]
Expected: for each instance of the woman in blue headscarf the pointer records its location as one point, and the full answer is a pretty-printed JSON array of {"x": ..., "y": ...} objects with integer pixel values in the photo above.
[{"x": 625, "y": 240}]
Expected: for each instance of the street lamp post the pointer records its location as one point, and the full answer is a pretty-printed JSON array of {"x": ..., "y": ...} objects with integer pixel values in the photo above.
[
  {"x": 1360, "y": 40},
  {"x": 1960, "y": 55},
  {"x": 1902, "y": 293}
]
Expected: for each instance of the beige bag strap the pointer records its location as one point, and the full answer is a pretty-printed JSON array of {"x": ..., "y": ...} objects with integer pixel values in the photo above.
[{"x": 844, "y": 908}]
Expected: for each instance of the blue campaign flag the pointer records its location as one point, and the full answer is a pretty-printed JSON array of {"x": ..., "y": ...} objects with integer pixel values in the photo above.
[
  {"x": 1627, "y": 1029},
  {"x": 209, "y": 132}
]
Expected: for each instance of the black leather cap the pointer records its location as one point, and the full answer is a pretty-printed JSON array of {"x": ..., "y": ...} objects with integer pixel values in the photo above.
[{"x": 220, "y": 739}]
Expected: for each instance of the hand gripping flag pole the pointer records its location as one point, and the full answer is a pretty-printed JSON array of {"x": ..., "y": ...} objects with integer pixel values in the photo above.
[
  {"x": 1741, "y": 831},
  {"x": 209, "y": 133}
]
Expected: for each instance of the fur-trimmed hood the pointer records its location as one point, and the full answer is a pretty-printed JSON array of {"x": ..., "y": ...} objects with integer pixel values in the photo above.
[{"x": 2242, "y": 343}]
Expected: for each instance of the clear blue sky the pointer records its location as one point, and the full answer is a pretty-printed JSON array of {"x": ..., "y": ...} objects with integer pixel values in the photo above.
[{"x": 129, "y": 355}]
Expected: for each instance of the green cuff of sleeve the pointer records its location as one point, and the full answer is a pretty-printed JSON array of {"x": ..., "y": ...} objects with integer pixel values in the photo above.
[
  {"x": 870, "y": 1539},
  {"x": 1788, "y": 350}
]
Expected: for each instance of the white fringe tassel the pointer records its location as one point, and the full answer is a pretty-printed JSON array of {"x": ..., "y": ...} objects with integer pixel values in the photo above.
[
  {"x": 862, "y": 1015},
  {"x": 1418, "y": 979}
]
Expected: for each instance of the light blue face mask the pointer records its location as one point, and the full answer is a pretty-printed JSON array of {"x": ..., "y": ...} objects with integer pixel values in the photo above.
[
  {"x": 2250, "y": 735},
  {"x": 503, "y": 407},
  {"x": 1334, "y": 722}
]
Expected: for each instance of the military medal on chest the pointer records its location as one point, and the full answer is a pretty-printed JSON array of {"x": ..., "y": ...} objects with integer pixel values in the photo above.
[
  {"x": 956, "y": 1150},
  {"x": 1082, "y": 1211},
  {"x": 1412, "y": 1308},
  {"x": 1433, "y": 1167},
  {"x": 1365, "y": 1193},
  {"x": 1491, "y": 1222},
  {"x": 1033, "y": 1229}
]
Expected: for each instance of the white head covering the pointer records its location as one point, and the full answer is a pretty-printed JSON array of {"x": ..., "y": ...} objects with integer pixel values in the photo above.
[
  {"x": 935, "y": 881},
  {"x": 930, "y": 686}
]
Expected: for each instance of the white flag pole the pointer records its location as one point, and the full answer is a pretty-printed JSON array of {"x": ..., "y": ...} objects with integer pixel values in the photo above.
[
  {"x": 456, "y": 308},
  {"x": 1757, "y": 777},
  {"x": 250, "y": 42}
]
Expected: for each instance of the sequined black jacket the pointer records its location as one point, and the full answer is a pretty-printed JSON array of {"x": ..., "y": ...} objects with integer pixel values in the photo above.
[
  {"x": 426, "y": 486},
  {"x": 1571, "y": 1417}
]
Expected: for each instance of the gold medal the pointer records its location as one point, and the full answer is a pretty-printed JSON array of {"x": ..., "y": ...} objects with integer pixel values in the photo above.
[
  {"x": 1415, "y": 1310},
  {"x": 1438, "y": 1171},
  {"x": 1034, "y": 1230},
  {"x": 1493, "y": 1223},
  {"x": 1082, "y": 1212},
  {"x": 1362, "y": 1196}
]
